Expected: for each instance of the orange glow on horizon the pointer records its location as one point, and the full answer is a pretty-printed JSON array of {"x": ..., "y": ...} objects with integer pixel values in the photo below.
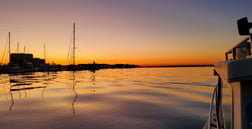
[
  {"x": 111, "y": 33},
  {"x": 146, "y": 62}
]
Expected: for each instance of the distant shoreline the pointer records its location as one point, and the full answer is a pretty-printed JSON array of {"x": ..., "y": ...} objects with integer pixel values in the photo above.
[{"x": 210, "y": 65}]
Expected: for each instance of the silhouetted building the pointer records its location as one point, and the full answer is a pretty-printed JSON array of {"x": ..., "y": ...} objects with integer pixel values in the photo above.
[
  {"x": 24, "y": 59},
  {"x": 21, "y": 58},
  {"x": 38, "y": 61}
]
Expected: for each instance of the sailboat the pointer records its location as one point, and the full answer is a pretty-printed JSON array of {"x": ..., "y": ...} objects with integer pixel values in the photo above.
[
  {"x": 72, "y": 65},
  {"x": 231, "y": 105},
  {"x": 18, "y": 62}
]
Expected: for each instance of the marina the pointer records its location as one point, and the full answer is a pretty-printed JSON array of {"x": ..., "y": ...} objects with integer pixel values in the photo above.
[
  {"x": 125, "y": 64},
  {"x": 25, "y": 62}
]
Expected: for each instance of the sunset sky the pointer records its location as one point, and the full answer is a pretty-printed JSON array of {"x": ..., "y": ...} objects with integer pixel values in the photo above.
[{"x": 142, "y": 32}]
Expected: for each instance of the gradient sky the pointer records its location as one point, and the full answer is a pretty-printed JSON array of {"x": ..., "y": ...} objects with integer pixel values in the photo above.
[{"x": 143, "y": 32}]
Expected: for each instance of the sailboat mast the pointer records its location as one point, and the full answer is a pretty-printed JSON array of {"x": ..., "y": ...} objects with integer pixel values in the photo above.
[
  {"x": 9, "y": 47},
  {"x": 44, "y": 53},
  {"x": 18, "y": 47},
  {"x": 74, "y": 44}
]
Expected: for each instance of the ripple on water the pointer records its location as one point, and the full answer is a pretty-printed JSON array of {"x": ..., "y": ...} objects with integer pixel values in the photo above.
[{"x": 141, "y": 98}]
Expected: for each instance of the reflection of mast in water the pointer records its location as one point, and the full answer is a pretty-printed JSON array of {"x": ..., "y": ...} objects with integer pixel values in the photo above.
[
  {"x": 93, "y": 79},
  {"x": 74, "y": 92},
  {"x": 21, "y": 85},
  {"x": 11, "y": 95},
  {"x": 12, "y": 101},
  {"x": 46, "y": 83}
]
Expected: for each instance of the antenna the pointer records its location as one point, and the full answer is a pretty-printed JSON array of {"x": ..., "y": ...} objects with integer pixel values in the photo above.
[{"x": 74, "y": 43}]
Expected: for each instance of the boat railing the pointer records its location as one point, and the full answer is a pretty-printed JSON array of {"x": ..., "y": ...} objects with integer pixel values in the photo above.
[
  {"x": 210, "y": 115},
  {"x": 243, "y": 44}
]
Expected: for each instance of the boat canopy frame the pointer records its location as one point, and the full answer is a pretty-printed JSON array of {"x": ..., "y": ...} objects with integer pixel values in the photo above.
[{"x": 233, "y": 50}]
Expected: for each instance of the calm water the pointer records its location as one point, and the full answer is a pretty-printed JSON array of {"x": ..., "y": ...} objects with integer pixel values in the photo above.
[{"x": 141, "y": 98}]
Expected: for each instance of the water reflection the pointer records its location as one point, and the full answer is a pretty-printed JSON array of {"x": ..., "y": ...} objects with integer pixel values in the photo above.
[
  {"x": 75, "y": 93},
  {"x": 46, "y": 82},
  {"x": 74, "y": 83},
  {"x": 143, "y": 98},
  {"x": 93, "y": 77},
  {"x": 20, "y": 83},
  {"x": 12, "y": 101}
]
